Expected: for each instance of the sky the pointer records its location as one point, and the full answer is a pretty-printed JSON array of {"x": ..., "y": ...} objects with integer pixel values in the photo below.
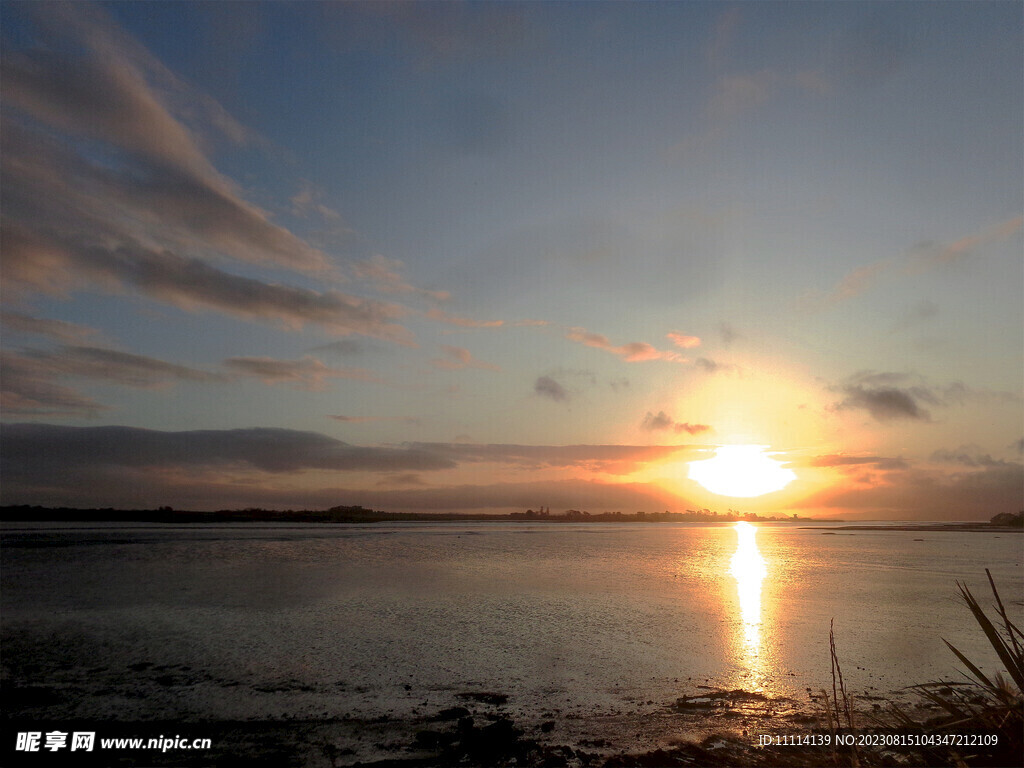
[{"x": 484, "y": 257}]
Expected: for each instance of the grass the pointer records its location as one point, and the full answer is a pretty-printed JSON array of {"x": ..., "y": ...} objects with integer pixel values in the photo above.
[
  {"x": 983, "y": 704},
  {"x": 980, "y": 704}
]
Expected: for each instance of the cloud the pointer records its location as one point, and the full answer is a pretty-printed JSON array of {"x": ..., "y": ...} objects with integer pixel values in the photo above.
[
  {"x": 631, "y": 352},
  {"x": 663, "y": 421},
  {"x": 307, "y": 373},
  {"x": 967, "y": 456},
  {"x": 343, "y": 347},
  {"x": 923, "y": 258},
  {"x": 932, "y": 255},
  {"x": 463, "y": 322},
  {"x": 191, "y": 284},
  {"x": 545, "y": 386},
  {"x": 728, "y": 333},
  {"x": 614, "y": 459},
  {"x": 29, "y": 382},
  {"x": 407, "y": 420},
  {"x": 712, "y": 366},
  {"x": 659, "y": 422},
  {"x": 383, "y": 273},
  {"x": 883, "y": 403},
  {"x": 842, "y": 460},
  {"x": 458, "y": 358},
  {"x": 405, "y": 478},
  {"x": 853, "y": 284},
  {"x": 39, "y": 452},
  {"x": 975, "y": 493},
  {"x": 107, "y": 185},
  {"x": 891, "y": 396},
  {"x": 684, "y": 341},
  {"x": 27, "y": 389},
  {"x": 101, "y": 89},
  {"x": 119, "y": 466},
  {"x": 39, "y": 326},
  {"x": 307, "y": 202}
]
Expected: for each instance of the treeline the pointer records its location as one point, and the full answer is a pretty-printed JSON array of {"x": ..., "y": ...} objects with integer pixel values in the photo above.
[{"x": 358, "y": 514}]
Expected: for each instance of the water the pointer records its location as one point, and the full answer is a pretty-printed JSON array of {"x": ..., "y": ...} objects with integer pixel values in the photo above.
[{"x": 271, "y": 621}]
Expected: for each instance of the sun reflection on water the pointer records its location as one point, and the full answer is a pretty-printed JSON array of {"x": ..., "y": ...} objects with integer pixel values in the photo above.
[{"x": 749, "y": 569}]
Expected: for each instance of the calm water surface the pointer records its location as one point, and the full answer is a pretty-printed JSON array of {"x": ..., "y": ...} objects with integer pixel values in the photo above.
[{"x": 273, "y": 621}]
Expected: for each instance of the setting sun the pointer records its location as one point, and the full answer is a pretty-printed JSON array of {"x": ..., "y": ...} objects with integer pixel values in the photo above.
[{"x": 741, "y": 470}]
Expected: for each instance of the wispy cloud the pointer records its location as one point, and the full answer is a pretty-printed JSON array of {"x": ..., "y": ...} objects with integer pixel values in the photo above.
[
  {"x": 113, "y": 366},
  {"x": 306, "y": 373},
  {"x": 457, "y": 358},
  {"x": 309, "y": 201},
  {"x": 932, "y": 255},
  {"x": 192, "y": 284},
  {"x": 30, "y": 382},
  {"x": 108, "y": 185},
  {"x": 383, "y": 274},
  {"x": 923, "y": 258},
  {"x": 41, "y": 326},
  {"x": 853, "y": 284},
  {"x": 631, "y": 352},
  {"x": 96, "y": 84},
  {"x": 27, "y": 388},
  {"x": 462, "y": 322}
]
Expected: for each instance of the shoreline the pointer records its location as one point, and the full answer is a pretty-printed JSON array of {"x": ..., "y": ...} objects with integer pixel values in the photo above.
[{"x": 714, "y": 728}]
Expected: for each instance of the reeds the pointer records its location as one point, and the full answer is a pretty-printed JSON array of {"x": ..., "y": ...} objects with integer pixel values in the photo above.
[{"x": 839, "y": 708}]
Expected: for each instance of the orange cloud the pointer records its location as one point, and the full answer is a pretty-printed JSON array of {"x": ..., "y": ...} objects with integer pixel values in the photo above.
[
  {"x": 631, "y": 352},
  {"x": 682, "y": 340}
]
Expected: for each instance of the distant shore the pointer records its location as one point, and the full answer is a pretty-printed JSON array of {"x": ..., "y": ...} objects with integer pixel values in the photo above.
[
  {"x": 979, "y": 527},
  {"x": 356, "y": 514}
]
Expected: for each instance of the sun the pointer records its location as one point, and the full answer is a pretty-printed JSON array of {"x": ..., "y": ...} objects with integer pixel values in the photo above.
[{"x": 741, "y": 470}]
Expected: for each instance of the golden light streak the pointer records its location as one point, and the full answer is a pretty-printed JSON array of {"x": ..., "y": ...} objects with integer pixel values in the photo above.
[{"x": 749, "y": 569}]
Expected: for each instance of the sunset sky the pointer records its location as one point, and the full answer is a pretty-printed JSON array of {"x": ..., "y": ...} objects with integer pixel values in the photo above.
[{"x": 490, "y": 256}]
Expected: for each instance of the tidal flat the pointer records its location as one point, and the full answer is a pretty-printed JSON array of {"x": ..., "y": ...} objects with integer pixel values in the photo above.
[{"x": 479, "y": 643}]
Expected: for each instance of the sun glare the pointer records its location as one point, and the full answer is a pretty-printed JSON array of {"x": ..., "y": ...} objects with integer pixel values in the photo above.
[{"x": 741, "y": 470}]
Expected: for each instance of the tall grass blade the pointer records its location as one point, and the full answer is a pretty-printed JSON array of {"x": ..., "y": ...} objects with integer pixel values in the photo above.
[{"x": 1014, "y": 666}]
